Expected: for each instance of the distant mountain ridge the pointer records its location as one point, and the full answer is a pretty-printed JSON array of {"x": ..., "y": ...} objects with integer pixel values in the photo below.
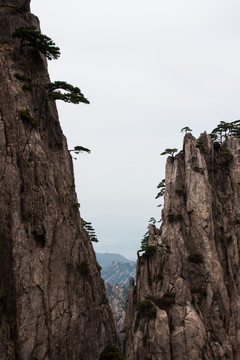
[
  {"x": 106, "y": 259},
  {"x": 116, "y": 272},
  {"x": 119, "y": 273},
  {"x": 117, "y": 297},
  {"x": 116, "y": 269}
]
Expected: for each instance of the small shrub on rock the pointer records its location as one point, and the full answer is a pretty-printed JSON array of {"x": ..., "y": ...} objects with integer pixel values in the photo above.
[
  {"x": 226, "y": 155},
  {"x": 150, "y": 250},
  {"x": 28, "y": 83},
  {"x": 147, "y": 309},
  {"x": 166, "y": 301},
  {"x": 200, "y": 146},
  {"x": 27, "y": 117},
  {"x": 76, "y": 205},
  {"x": 28, "y": 86},
  {"x": 23, "y": 77}
]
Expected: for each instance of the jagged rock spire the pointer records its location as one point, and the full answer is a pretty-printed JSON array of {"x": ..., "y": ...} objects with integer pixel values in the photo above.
[{"x": 186, "y": 302}]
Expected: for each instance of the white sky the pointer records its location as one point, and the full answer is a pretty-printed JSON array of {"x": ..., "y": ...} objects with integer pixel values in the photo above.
[{"x": 149, "y": 68}]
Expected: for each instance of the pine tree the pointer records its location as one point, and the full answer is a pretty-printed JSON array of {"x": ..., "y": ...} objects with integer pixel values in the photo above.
[
  {"x": 73, "y": 94},
  {"x": 169, "y": 152},
  {"x": 30, "y": 36},
  {"x": 186, "y": 129}
]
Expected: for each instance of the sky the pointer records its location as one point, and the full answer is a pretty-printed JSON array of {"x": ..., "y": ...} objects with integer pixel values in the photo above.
[{"x": 148, "y": 68}]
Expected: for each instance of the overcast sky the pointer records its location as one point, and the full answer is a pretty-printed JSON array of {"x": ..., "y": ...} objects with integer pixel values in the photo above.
[{"x": 148, "y": 68}]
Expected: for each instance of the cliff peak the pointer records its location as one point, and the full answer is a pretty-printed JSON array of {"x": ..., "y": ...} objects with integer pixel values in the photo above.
[{"x": 185, "y": 304}]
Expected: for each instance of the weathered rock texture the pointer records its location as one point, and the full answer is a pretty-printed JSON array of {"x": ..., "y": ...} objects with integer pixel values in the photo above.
[
  {"x": 186, "y": 302},
  {"x": 13, "y": 6},
  {"x": 52, "y": 298}
]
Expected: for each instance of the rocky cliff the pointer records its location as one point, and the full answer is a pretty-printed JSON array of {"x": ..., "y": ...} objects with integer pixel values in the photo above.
[
  {"x": 186, "y": 301},
  {"x": 53, "y": 303}
]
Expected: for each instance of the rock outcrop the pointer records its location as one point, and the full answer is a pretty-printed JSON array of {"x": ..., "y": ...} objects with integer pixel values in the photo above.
[
  {"x": 186, "y": 301},
  {"x": 13, "y": 6},
  {"x": 53, "y": 303}
]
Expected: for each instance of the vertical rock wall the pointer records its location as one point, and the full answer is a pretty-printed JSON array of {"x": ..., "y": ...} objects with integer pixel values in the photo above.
[
  {"x": 53, "y": 303},
  {"x": 186, "y": 302}
]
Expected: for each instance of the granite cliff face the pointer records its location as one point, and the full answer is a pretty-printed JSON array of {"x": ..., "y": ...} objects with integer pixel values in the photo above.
[
  {"x": 53, "y": 303},
  {"x": 186, "y": 301}
]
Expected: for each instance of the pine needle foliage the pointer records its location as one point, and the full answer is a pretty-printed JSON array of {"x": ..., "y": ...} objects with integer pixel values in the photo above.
[
  {"x": 166, "y": 301},
  {"x": 72, "y": 95},
  {"x": 186, "y": 129},
  {"x": 26, "y": 117},
  {"x": 147, "y": 309},
  {"x": 23, "y": 77},
  {"x": 148, "y": 249},
  {"x": 30, "y": 36},
  {"x": 152, "y": 220},
  {"x": 91, "y": 232},
  {"x": 169, "y": 152},
  {"x": 161, "y": 186},
  {"x": 79, "y": 149},
  {"x": 225, "y": 130}
]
